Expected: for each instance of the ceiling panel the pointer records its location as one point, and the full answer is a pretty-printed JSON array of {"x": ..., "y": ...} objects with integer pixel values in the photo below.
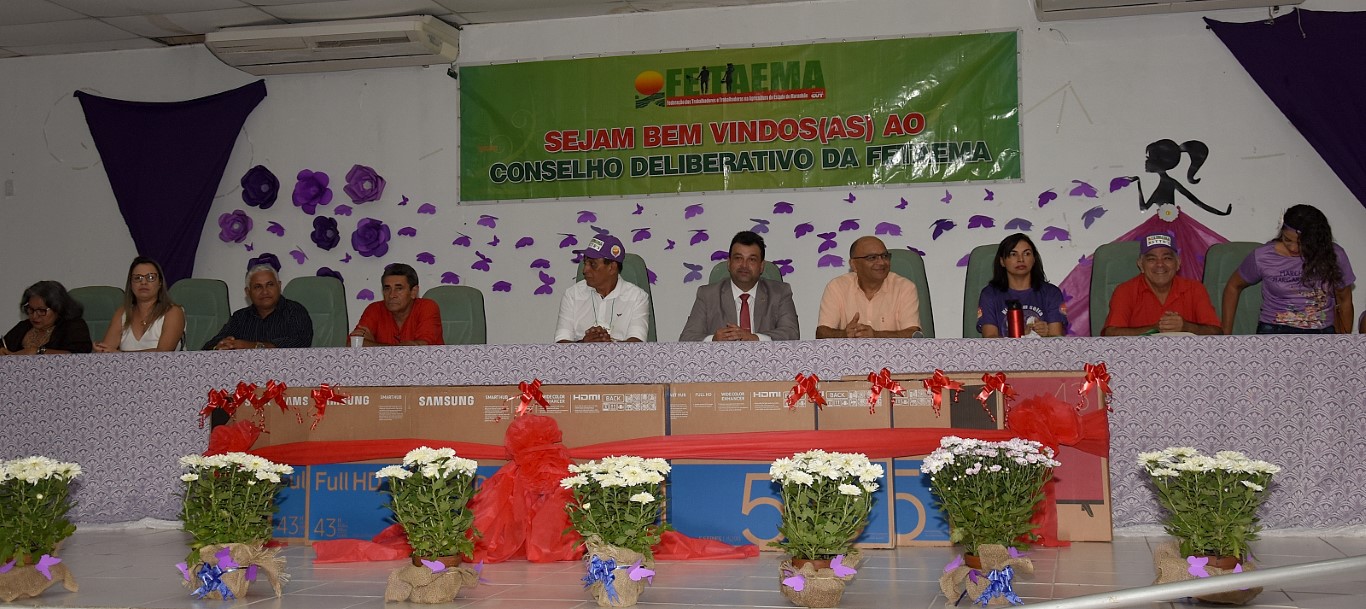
[
  {"x": 24, "y": 12},
  {"x": 354, "y": 9},
  {"x": 186, "y": 24},
  {"x": 88, "y": 47},
  {"x": 59, "y": 32},
  {"x": 124, "y": 8}
]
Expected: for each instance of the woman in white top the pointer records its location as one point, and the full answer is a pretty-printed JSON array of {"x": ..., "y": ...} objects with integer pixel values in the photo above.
[{"x": 148, "y": 320}]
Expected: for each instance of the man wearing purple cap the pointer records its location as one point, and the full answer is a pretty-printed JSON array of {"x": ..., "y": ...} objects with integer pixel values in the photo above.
[
  {"x": 603, "y": 308},
  {"x": 1158, "y": 300}
]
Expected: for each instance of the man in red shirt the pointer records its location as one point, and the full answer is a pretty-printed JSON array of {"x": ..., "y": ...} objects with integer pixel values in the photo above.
[
  {"x": 1158, "y": 300},
  {"x": 401, "y": 318}
]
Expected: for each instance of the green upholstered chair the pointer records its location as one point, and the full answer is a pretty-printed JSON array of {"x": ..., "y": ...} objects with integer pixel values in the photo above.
[
  {"x": 981, "y": 266},
  {"x": 325, "y": 299},
  {"x": 910, "y": 265},
  {"x": 206, "y": 308},
  {"x": 462, "y": 314},
  {"x": 1221, "y": 261},
  {"x": 1113, "y": 264},
  {"x": 720, "y": 272},
  {"x": 100, "y": 302},
  {"x": 635, "y": 271}
]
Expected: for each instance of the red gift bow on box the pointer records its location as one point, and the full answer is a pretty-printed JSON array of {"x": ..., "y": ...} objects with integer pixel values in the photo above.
[
  {"x": 991, "y": 383},
  {"x": 1096, "y": 375},
  {"x": 275, "y": 390},
  {"x": 321, "y": 396},
  {"x": 241, "y": 396},
  {"x": 531, "y": 394},
  {"x": 805, "y": 387},
  {"x": 218, "y": 398},
  {"x": 881, "y": 380},
  {"x": 937, "y": 384}
]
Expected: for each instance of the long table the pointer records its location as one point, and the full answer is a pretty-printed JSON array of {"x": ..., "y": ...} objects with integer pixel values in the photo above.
[{"x": 1293, "y": 400}]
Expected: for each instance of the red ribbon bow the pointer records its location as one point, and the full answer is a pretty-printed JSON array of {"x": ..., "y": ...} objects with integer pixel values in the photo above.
[
  {"x": 218, "y": 398},
  {"x": 243, "y": 395},
  {"x": 805, "y": 387},
  {"x": 321, "y": 396},
  {"x": 275, "y": 390},
  {"x": 996, "y": 382},
  {"x": 1096, "y": 376},
  {"x": 937, "y": 384},
  {"x": 881, "y": 380},
  {"x": 531, "y": 393}
]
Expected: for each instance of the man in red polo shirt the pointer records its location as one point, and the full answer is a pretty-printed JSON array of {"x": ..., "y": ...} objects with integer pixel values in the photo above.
[
  {"x": 401, "y": 318},
  {"x": 1158, "y": 300}
]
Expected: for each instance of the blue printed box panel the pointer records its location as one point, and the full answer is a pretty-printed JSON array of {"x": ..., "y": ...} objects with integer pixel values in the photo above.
[
  {"x": 291, "y": 520},
  {"x": 737, "y": 503},
  {"x": 345, "y": 502},
  {"x": 918, "y": 519},
  {"x": 483, "y": 473}
]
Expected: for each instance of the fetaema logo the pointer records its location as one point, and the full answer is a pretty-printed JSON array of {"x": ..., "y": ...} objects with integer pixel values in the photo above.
[{"x": 731, "y": 84}]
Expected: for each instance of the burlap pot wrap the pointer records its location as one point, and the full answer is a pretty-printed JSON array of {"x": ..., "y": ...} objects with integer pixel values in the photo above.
[
  {"x": 820, "y": 587},
  {"x": 969, "y": 584},
  {"x": 26, "y": 582},
  {"x": 268, "y": 563},
  {"x": 1173, "y": 567},
  {"x": 421, "y": 585},
  {"x": 627, "y": 592}
]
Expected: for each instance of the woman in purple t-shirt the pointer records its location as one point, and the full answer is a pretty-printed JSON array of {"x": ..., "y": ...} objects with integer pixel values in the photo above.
[
  {"x": 1306, "y": 279},
  {"x": 1018, "y": 275}
]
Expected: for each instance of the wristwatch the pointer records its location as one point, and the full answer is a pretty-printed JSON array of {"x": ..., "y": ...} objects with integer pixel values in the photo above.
[
  {"x": 260, "y": 345},
  {"x": 40, "y": 351}
]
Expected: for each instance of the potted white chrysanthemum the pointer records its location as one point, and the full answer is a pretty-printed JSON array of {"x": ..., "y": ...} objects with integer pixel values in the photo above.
[
  {"x": 228, "y": 507},
  {"x": 35, "y": 497},
  {"x": 616, "y": 508},
  {"x": 430, "y": 495}
]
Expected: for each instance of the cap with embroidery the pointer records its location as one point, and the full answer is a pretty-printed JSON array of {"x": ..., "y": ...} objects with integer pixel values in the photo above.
[
  {"x": 606, "y": 247},
  {"x": 1156, "y": 240}
]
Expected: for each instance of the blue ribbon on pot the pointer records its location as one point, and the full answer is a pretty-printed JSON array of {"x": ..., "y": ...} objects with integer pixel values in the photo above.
[
  {"x": 604, "y": 571},
  {"x": 999, "y": 585},
  {"x": 211, "y": 580}
]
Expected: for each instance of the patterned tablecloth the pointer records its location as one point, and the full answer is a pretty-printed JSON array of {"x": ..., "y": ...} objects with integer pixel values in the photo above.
[{"x": 1293, "y": 400}]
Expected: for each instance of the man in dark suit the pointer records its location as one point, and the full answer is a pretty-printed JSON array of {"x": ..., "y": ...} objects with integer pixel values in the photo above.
[{"x": 746, "y": 306}]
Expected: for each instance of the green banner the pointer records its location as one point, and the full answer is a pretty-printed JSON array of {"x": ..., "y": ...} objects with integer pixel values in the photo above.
[{"x": 899, "y": 111}]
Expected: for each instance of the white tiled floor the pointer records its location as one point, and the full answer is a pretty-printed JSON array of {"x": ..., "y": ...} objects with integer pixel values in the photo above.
[{"x": 134, "y": 568}]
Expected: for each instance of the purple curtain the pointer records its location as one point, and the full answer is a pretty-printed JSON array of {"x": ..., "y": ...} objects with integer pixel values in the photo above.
[
  {"x": 1309, "y": 63},
  {"x": 165, "y": 161}
]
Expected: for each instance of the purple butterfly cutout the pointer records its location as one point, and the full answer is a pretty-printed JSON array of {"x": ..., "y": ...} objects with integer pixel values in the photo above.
[
  {"x": 954, "y": 564},
  {"x": 495, "y": 241},
  {"x": 784, "y": 266},
  {"x": 1238, "y": 568},
  {"x": 426, "y": 257},
  {"x": 435, "y": 565},
  {"x": 544, "y": 290},
  {"x": 979, "y": 221},
  {"x": 761, "y": 227},
  {"x": 942, "y": 226},
  {"x": 299, "y": 255},
  {"x": 45, "y": 565},
  {"x": 670, "y": 245},
  {"x": 599, "y": 230},
  {"x": 525, "y": 242},
  {"x": 251, "y": 573},
  {"x": 917, "y": 250},
  {"x": 719, "y": 255},
  {"x": 483, "y": 263},
  {"x": 692, "y": 210},
  {"x": 796, "y": 581},
  {"x": 972, "y": 575},
  {"x": 540, "y": 263},
  {"x": 1121, "y": 182},
  {"x": 1019, "y": 224},
  {"x": 568, "y": 240},
  {"x": 948, "y": 197},
  {"x": 802, "y": 229},
  {"x": 502, "y": 286},
  {"x": 991, "y": 196},
  {"x": 638, "y": 572},
  {"x": 699, "y": 235},
  {"x": 587, "y": 216},
  {"x": 365, "y": 294},
  {"x": 251, "y": 247},
  {"x": 1047, "y": 197},
  {"x": 450, "y": 278},
  {"x": 463, "y": 240},
  {"x": 652, "y": 276},
  {"x": 276, "y": 229},
  {"x": 225, "y": 560},
  {"x": 404, "y": 202},
  {"x": 694, "y": 272},
  {"x": 479, "y": 572},
  {"x": 341, "y": 210},
  {"x": 640, "y": 234},
  {"x": 407, "y": 231},
  {"x": 1197, "y": 565},
  {"x": 347, "y": 259},
  {"x": 837, "y": 565},
  {"x": 903, "y": 203},
  {"x": 487, "y": 220},
  {"x": 850, "y": 224},
  {"x": 5, "y": 568},
  {"x": 1054, "y": 233},
  {"x": 640, "y": 209},
  {"x": 827, "y": 242},
  {"x": 887, "y": 228},
  {"x": 1091, "y": 215},
  {"x": 545, "y": 278},
  {"x": 782, "y": 207},
  {"x": 964, "y": 260},
  {"x": 184, "y": 569},
  {"x": 426, "y": 208},
  {"x": 1082, "y": 189},
  {"x": 830, "y": 260},
  {"x": 850, "y": 199},
  {"x": 1014, "y": 553}
]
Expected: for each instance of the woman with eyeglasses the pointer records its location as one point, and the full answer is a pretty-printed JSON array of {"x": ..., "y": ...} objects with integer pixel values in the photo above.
[
  {"x": 147, "y": 320},
  {"x": 53, "y": 323},
  {"x": 1018, "y": 277}
]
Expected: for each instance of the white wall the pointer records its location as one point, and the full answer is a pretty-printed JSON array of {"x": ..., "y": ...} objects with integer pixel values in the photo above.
[{"x": 1095, "y": 93}]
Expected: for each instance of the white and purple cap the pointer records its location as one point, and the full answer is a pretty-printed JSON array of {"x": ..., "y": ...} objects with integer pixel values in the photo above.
[
  {"x": 606, "y": 247},
  {"x": 1156, "y": 240}
]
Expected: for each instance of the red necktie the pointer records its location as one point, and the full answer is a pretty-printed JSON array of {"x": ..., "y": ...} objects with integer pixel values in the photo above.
[{"x": 744, "y": 312}]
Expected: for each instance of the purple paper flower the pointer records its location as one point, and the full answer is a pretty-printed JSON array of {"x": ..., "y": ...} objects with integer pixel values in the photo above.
[
  {"x": 325, "y": 233},
  {"x": 311, "y": 191},
  {"x": 363, "y": 184},
  {"x": 260, "y": 187},
  {"x": 325, "y": 271},
  {"x": 268, "y": 259},
  {"x": 371, "y": 238},
  {"x": 234, "y": 226}
]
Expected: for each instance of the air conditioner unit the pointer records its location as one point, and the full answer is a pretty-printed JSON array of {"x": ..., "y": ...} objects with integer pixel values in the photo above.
[
  {"x": 329, "y": 46},
  {"x": 1058, "y": 10}
]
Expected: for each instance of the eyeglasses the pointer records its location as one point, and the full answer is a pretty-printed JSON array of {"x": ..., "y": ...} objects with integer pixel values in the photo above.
[
  {"x": 36, "y": 310},
  {"x": 148, "y": 278},
  {"x": 884, "y": 256}
]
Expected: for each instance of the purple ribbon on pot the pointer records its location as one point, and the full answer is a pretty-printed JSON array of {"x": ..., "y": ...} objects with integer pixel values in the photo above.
[
  {"x": 604, "y": 571},
  {"x": 999, "y": 585},
  {"x": 211, "y": 580}
]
